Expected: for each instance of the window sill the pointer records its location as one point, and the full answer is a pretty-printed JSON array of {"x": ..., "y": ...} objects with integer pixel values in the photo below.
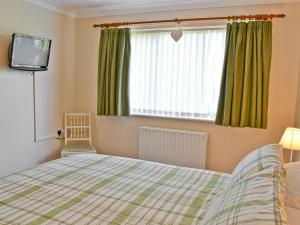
[{"x": 172, "y": 118}]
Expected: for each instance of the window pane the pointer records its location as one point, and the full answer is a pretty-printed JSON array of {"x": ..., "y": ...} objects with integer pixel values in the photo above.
[{"x": 176, "y": 79}]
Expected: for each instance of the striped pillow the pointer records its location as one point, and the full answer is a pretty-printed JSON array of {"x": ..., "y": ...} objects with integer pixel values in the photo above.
[
  {"x": 262, "y": 158},
  {"x": 257, "y": 199}
]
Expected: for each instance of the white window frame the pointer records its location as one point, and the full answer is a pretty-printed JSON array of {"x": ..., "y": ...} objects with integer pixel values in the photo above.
[{"x": 178, "y": 117}]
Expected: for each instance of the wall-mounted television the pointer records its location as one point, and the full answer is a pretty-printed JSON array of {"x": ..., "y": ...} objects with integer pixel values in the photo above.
[{"x": 29, "y": 53}]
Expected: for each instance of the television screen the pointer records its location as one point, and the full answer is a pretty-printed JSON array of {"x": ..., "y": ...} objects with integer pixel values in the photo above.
[{"x": 29, "y": 53}]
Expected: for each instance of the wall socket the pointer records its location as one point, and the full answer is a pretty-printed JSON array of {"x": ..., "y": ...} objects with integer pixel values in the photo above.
[{"x": 60, "y": 133}]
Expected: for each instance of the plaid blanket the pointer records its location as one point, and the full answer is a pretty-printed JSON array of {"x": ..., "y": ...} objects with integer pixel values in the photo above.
[{"x": 98, "y": 189}]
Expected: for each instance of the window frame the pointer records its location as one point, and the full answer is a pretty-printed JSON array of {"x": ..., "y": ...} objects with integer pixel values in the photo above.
[{"x": 216, "y": 26}]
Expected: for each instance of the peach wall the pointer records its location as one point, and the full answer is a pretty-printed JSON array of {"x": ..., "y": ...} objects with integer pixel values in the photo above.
[
  {"x": 297, "y": 117},
  {"x": 119, "y": 136},
  {"x": 17, "y": 148}
]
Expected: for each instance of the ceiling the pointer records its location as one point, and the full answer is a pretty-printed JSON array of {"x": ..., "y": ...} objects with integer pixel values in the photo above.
[{"x": 92, "y": 8}]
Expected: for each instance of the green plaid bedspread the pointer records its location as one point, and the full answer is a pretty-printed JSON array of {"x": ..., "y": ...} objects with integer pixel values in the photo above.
[{"x": 98, "y": 189}]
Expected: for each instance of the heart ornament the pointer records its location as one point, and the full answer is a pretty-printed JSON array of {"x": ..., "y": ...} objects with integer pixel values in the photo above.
[{"x": 176, "y": 34}]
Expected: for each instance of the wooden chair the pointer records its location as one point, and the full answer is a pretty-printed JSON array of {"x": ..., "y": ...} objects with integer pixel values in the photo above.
[{"x": 78, "y": 134}]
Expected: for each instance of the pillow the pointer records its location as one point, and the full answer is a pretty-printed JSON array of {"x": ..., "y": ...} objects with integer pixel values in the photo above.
[
  {"x": 293, "y": 184},
  {"x": 257, "y": 199},
  {"x": 262, "y": 158}
]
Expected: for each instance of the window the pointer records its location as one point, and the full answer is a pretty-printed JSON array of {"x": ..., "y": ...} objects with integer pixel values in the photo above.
[{"x": 176, "y": 79}]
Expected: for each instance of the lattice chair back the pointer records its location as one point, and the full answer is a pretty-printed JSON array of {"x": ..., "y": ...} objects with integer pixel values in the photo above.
[{"x": 78, "y": 128}]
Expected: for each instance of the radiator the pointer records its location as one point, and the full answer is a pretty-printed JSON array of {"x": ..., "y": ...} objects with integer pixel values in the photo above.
[{"x": 175, "y": 147}]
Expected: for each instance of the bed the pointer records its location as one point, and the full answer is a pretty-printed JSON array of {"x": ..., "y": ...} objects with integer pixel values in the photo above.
[
  {"x": 292, "y": 203},
  {"x": 100, "y": 189}
]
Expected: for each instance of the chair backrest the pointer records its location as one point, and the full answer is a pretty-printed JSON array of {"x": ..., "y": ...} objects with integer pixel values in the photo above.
[{"x": 78, "y": 127}]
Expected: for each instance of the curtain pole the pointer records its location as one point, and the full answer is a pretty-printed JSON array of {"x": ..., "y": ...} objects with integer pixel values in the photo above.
[{"x": 233, "y": 18}]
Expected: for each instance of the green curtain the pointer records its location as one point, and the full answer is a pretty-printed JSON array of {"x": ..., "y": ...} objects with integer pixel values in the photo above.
[
  {"x": 244, "y": 91},
  {"x": 113, "y": 72}
]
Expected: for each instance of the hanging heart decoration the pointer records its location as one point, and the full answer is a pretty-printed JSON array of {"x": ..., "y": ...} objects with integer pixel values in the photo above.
[{"x": 176, "y": 34}]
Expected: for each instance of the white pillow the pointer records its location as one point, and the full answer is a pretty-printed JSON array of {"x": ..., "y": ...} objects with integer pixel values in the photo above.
[
  {"x": 264, "y": 157},
  {"x": 292, "y": 184}
]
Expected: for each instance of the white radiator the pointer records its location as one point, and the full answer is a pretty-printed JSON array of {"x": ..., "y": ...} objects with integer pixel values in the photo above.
[{"x": 175, "y": 147}]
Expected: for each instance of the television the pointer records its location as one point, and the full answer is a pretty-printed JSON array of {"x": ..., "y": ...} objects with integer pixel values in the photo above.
[{"x": 29, "y": 53}]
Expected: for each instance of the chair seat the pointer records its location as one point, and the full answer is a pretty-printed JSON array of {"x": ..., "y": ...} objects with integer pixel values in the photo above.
[{"x": 78, "y": 149}]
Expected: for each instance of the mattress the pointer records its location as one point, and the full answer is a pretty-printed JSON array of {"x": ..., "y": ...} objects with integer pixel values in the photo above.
[{"x": 99, "y": 189}]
